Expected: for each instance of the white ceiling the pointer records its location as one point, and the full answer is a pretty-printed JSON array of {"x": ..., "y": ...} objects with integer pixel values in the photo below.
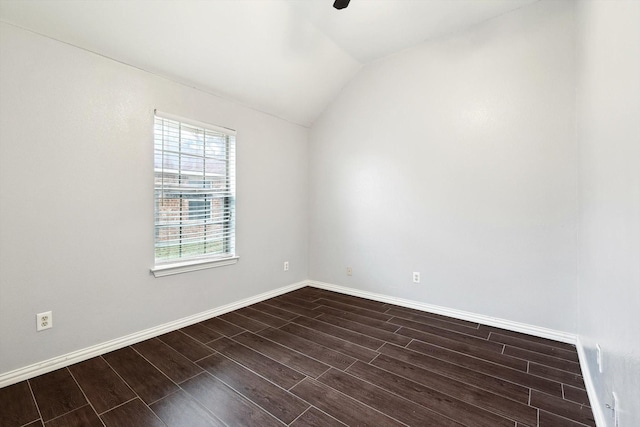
[{"x": 288, "y": 58}]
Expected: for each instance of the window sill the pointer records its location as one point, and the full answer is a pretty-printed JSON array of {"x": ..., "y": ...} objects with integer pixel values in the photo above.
[{"x": 195, "y": 265}]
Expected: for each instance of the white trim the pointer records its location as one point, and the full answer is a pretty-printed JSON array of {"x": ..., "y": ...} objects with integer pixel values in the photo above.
[
  {"x": 77, "y": 356},
  {"x": 195, "y": 123},
  {"x": 458, "y": 314},
  {"x": 194, "y": 265},
  {"x": 598, "y": 415}
]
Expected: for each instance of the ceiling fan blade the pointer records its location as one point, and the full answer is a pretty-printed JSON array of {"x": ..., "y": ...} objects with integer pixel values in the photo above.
[{"x": 341, "y": 4}]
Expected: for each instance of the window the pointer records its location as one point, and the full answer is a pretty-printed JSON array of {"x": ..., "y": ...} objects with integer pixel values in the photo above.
[{"x": 194, "y": 166}]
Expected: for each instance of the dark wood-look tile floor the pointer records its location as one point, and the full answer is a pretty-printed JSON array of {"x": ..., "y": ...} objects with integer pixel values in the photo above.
[{"x": 315, "y": 358}]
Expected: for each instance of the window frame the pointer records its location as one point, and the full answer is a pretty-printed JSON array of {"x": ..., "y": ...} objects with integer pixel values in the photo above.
[{"x": 198, "y": 262}]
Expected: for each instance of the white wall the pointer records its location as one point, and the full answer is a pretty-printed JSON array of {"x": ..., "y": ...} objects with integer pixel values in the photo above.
[
  {"x": 608, "y": 106},
  {"x": 76, "y": 185},
  {"x": 457, "y": 159}
]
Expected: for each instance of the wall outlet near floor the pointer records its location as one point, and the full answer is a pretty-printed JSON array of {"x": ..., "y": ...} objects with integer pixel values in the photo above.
[
  {"x": 416, "y": 277},
  {"x": 286, "y": 266},
  {"x": 599, "y": 357},
  {"x": 349, "y": 271},
  {"x": 44, "y": 320}
]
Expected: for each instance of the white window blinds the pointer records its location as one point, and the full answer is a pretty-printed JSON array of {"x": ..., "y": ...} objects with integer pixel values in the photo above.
[{"x": 194, "y": 167}]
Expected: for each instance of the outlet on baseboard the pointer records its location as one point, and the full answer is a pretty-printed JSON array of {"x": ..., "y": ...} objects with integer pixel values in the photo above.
[{"x": 416, "y": 277}]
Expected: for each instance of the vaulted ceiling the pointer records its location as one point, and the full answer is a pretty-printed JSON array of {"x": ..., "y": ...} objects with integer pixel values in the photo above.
[{"x": 288, "y": 58}]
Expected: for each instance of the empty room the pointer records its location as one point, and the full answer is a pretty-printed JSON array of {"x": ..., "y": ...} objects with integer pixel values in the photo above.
[{"x": 320, "y": 213}]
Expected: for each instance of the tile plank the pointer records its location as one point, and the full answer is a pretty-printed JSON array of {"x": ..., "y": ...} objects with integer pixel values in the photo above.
[
  {"x": 551, "y": 420},
  {"x": 356, "y": 301},
  {"x": 465, "y": 328},
  {"x": 467, "y": 349},
  {"x": 543, "y": 359},
  {"x": 364, "y": 320},
  {"x": 575, "y": 394},
  {"x": 273, "y": 399},
  {"x": 134, "y": 413},
  {"x": 185, "y": 345},
  {"x": 18, "y": 406},
  {"x": 339, "y": 332},
  {"x": 402, "y": 311},
  {"x": 222, "y": 327},
  {"x": 478, "y": 341},
  {"x": 102, "y": 386},
  {"x": 369, "y": 331},
  {"x": 356, "y": 310},
  {"x": 460, "y": 373},
  {"x": 82, "y": 417},
  {"x": 282, "y": 354},
  {"x": 226, "y": 404},
  {"x": 548, "y": 349},
  {"x": 331, "y": 342},
  {"x": 201, "y": 333},
  {"x": 243, "y": 322},
  {"x": 171, "y": 363},
  {"x": 262, "y": 317},
  {"x": 180, "y": 410},
  {"x": 148, "y": 382},
  {"x": 340, "y": 406},
  {"x": 274, "y": 371},
  {"x": 556, "y": 375},
  {"x": 300, "y": 302},
  {"x": 316, "y": 418},
  {"x": 474, "y": 395},
  {"x": 437, "y": 402},
  {"x": 488, "y": 368},
  {"x": 308, "y": 348},
  {"x": 274, "y": 311},
  {"x": 531, "y": 338},
  {"x": 56, "y": 393},
  {"x": 563, "y": 408},
  {"x": 286, "y": 306}
]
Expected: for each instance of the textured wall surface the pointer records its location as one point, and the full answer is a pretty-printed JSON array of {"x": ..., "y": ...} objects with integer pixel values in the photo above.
[
  {"x": 608, "y": 104},
  {"x": 76, "y": 184},
  {"x": 457, "y": 159}
]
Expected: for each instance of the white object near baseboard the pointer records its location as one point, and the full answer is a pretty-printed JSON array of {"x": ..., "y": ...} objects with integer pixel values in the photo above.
[{"x": 598, "y": 415}]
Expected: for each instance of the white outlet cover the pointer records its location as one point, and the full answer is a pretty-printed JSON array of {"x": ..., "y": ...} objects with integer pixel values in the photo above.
[
  {"x": 44, "y": 321},
  {"x": 599, "y": 357}
]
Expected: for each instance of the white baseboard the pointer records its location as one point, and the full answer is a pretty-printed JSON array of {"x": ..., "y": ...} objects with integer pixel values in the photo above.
[
  {"x": 598, "y": 415},
  {"x": 43, "y": 367},
  {"x": 458, "y": 314},
  {"x": 77, "y": 356}
]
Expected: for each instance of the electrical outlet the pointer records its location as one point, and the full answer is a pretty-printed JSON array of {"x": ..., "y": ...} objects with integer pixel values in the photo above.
[
  {"x": 349, "y": 271},
  {"x": 599, "y": 357},
  {"x": 416, "y": 277},
  {"x": 286, "y": 266},
  {"x": 44, "y": 320}
]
